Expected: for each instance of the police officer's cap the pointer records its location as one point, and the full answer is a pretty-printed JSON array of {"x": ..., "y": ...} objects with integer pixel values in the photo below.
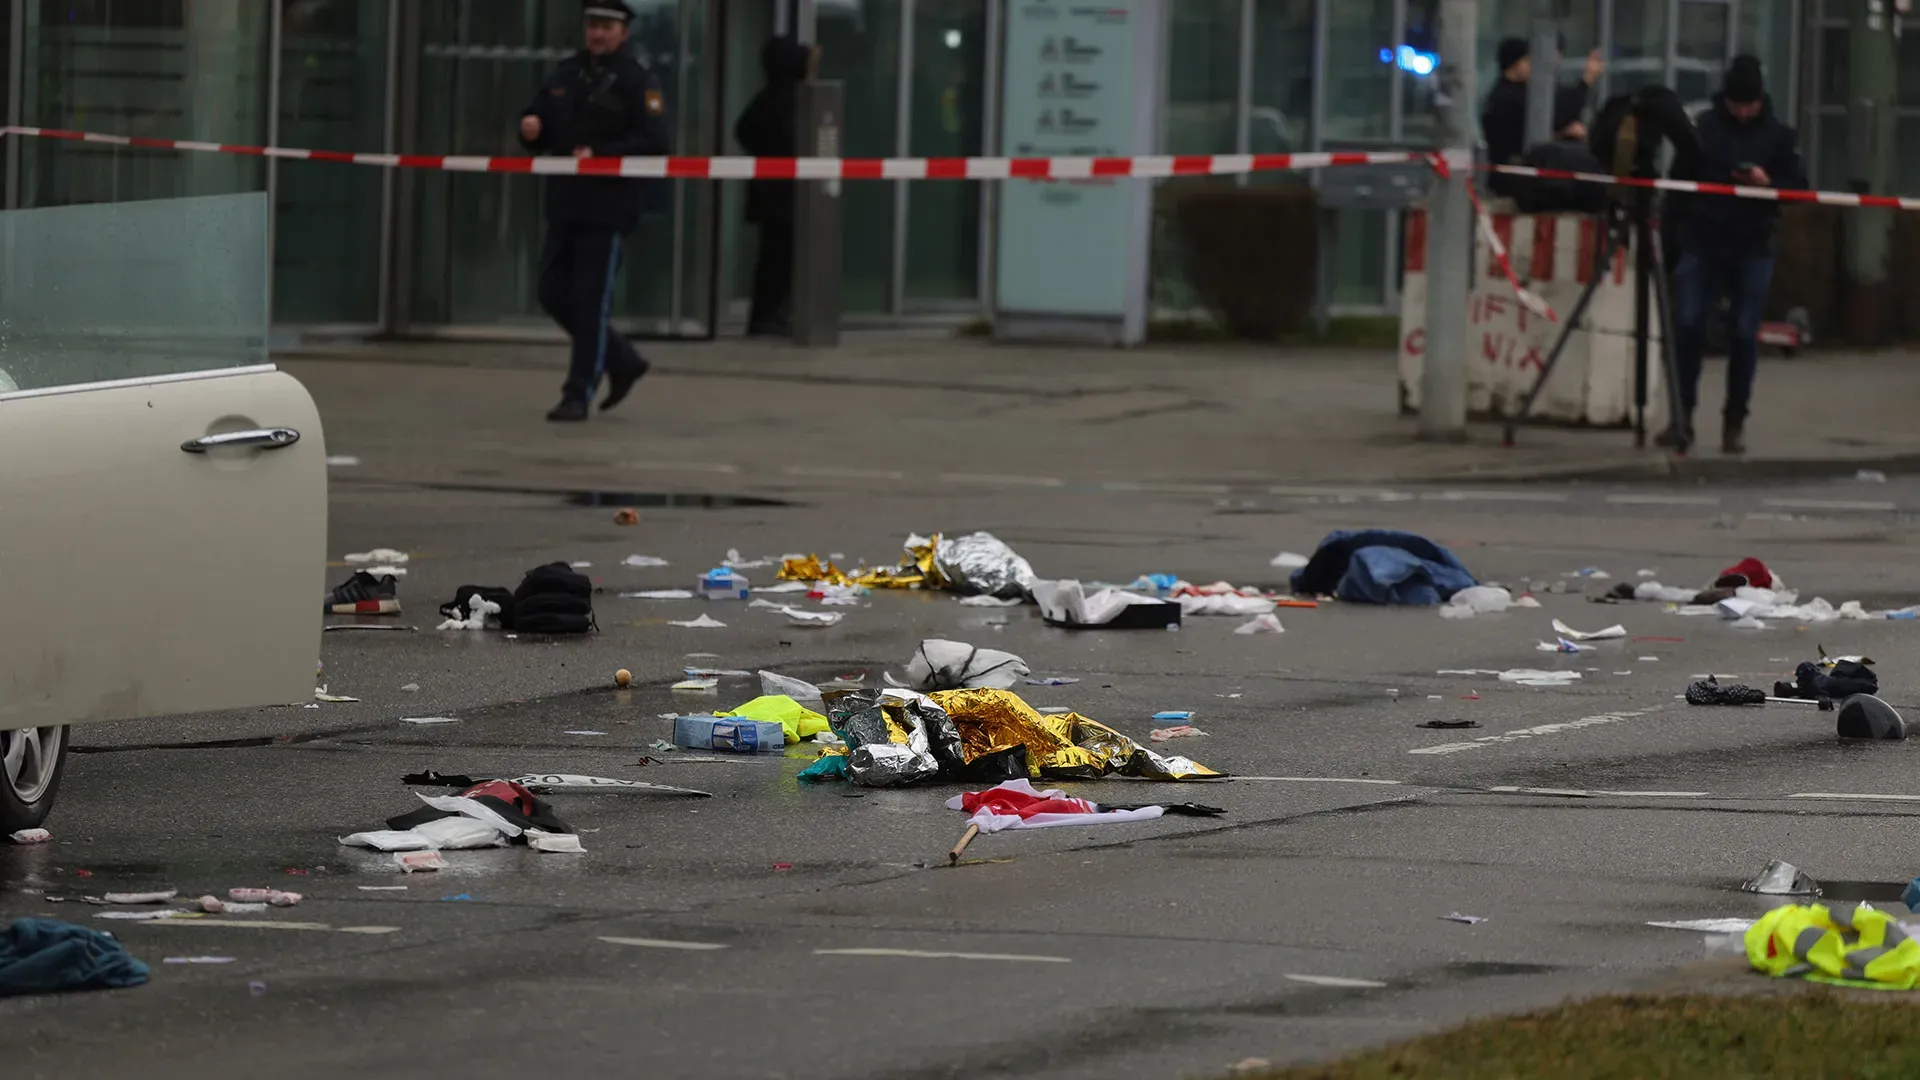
[{"x": 609, "y": 9}]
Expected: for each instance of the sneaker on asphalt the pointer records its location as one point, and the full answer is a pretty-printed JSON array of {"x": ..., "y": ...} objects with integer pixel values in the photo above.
[
  {"x": 1672, "y": 438},
  {"x": 365, "y": 594},
  {"x": 568, "y": 412},
  {"x": 620, "y": 384},
  {"x": 1733, "y": 440}
]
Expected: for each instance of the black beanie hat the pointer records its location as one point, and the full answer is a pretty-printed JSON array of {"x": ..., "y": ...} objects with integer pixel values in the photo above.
[
  {"x": 1512, "y": 50},
  {"x": 1744, "y": 82}
]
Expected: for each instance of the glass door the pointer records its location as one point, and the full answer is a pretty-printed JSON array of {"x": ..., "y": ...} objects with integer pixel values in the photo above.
[{"x": 478, "y": 235}]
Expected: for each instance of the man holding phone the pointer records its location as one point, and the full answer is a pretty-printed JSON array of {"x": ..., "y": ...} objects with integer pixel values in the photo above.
[{"x": 1727, "y": 243}]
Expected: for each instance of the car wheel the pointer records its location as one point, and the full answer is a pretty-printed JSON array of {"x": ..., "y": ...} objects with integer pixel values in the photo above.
[{"x": 31, "y": 761}]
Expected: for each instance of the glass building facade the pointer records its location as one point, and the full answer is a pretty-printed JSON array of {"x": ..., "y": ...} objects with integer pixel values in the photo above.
[{"x": 365, "y": 250}]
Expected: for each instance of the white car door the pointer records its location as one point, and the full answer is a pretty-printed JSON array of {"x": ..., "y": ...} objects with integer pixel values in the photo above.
[{"x": 162, "y": 487}]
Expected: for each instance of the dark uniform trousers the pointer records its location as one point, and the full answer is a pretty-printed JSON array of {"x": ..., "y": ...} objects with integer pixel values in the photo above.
[{"x": 578, "y": 267}]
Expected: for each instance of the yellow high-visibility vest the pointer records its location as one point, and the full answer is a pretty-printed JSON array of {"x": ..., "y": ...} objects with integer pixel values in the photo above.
[{"x": 1864, "y": 947}]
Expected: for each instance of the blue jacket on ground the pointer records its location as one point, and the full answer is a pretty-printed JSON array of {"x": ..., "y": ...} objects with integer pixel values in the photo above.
[
  {"x": 42, "y": 956},
  {"x": 614, "y": 106},
  {"x": 1382, "y": 566}
]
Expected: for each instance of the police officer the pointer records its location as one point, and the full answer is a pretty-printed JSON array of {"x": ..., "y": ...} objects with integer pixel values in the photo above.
[{"x": 602, "y": 102}]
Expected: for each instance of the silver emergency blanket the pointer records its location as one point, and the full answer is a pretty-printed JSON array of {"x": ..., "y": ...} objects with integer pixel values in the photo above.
[
  {"x": 895, "y": 740},
  {"x": 980, "y": 563}
]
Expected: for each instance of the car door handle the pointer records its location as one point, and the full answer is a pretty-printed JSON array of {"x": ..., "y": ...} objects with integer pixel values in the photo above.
[{"x": 259, "y": 438}]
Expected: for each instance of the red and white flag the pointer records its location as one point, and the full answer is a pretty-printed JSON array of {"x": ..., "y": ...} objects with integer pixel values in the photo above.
[{"x": 1016, "y": 805}]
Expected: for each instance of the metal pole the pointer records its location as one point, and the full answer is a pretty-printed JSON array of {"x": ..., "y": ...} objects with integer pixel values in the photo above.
[
  {"x": 1545, "y": 53},
  {"x": 1443, "y": 377},
  {"x": 1872, "y": 90}
]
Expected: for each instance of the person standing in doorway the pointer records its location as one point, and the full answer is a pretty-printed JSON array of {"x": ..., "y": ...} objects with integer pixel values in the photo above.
[
  {"x": 769, "y": 128},
  {"x": 1727, "y": 244},
  {"x": 1503, "y": 122},
  {"x": 601, "y": 102}
]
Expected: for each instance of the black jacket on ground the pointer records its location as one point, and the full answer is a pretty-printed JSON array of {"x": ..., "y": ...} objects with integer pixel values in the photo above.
[
  {"x": 1732, "y": 225},
  {"x": 1503, "y": 123},
  {"x": 613, "y": 105},
  {"x": 769, "y": 126}
]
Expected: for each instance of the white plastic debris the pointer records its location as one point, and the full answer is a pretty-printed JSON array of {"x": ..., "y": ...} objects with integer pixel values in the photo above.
[
  {"x": 643, "y": 561},
  {"x": 782, "y": 587},
  {"x": 1225, "y": 604},
  {"x": 774, "y": 685},
  {"x": 1477, "y": 600},
  {"x": 1533, "y": 677},
  {"x": 1852, "y": 609},
  {"x": 30, "y": 836},
  {"x": 158, "y": 897},
  {"x": 342, "y": 461},
  {"x": 815, "y": 619},
  {"x": 459, "y": 834},
  {"x": 546, "y": 783},
  {"x": 697, "y": 686},
  {"x": 382, "y": 556},
  {"x": 1782, "y": 879},
  {"x": 429, "y": 720},
  {"x": 954, "y": 665},
  {"x": 1562, "y": 646},
  {"x": 388, "y": 840},
  {"x": 1289, "y": 560},
  {"x": 1526, "y": 601},
  {"x": 1707, "y": 926},
  {"x": 1470, "y": 920},
  {"x": 1261, "y": 624},
  {"x": 472, "y": 808},
  {"x": 1870, "y": 476},
  {"x": 554, "y": 843},
  {"x": 735, "y": 561},
  {"x": 658, "y": 594},
  {"x": 1571, "y": 634},
  {"x": 320, "y": 694},
  {"x": 983, "y": 600},
  {"x": 1067, "y": 601},
  {"x": 1646, "y": 573},
  {"x": 704, "y": 622}
]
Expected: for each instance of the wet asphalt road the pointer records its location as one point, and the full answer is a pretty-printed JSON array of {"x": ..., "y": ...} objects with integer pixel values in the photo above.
[{"x": 1306, "y": 922}]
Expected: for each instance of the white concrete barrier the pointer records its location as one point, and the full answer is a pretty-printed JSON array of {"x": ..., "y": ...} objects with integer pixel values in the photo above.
[{"x": 1507, "y": 345}]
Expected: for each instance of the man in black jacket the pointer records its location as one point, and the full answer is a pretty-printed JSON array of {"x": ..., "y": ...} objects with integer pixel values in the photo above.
[
  {"x": 1504, "y": 120},
  {"x": 1727, "y": 243},
  {"x": 769, "y": 127},
  {"x": 601, "y": 102}
]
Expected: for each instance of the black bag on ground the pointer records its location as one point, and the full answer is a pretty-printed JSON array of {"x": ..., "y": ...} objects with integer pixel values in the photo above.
[
  {"x": 553, "y": 599},
  {"x": 457, "y": 607}
]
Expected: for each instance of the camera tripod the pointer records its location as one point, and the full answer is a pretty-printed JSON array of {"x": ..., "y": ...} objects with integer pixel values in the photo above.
[{"x": 1628, "y": 222}]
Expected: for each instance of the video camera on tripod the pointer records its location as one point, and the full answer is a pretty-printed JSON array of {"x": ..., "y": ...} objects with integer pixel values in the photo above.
[{"x": 1629, "y": 132}]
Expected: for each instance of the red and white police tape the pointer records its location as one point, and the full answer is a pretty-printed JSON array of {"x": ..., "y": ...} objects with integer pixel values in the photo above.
[
  {"x": 746, "y": 168},
  {"x": 1738, "y": 191}
]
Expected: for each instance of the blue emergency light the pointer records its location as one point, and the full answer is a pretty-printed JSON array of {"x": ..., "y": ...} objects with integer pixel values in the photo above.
[{"x": 1411, "y": 60}]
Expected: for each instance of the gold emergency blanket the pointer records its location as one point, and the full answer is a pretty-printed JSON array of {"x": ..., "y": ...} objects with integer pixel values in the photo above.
[
  {"x": 916, "y": 569},
  {"x": 1065, "y": 746}
]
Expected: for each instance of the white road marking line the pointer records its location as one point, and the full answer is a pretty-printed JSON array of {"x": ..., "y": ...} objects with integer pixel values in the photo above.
[
  {"x": 248, "y": 923},
  {"x": 1320, "y": 780},
  {"x": 919, "y": 955},
  {"x": 658, "y": 943},
  {"x": 1528, "y": 733},
  {"x": 1496, "y": 496},
  {"x": 681, "y": 466},
  {"x": 1827, "y": 504},
  {"x": 1343, "y": 494},
  {"x": 1664, "y": 500},
  {"x": 1846, "y": 797},
  {"x": 1658, "y": 794},
  {"x": 1166, "y": 489},
  {"x": 1565, "y": 793},
  {"x": 1334, "y": 980},
  {"x": 1002, "y": 481},
  {"x": 844, "y": 474}
]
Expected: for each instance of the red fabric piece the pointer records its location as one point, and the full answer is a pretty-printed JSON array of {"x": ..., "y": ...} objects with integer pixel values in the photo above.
[
  {"x": 1753, "y": 570},
  {"x": 507, "y": 792},
  {"x": 1004, "y": 803}
]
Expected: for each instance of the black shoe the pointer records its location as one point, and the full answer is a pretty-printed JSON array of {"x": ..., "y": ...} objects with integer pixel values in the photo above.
[
  {"x": 1733, "y": 438},
  {"x": 365, "y": 594},
  {"x": 620, "y": 384},
  {"x": 568, "y": 412},
  {"x": 1674, "y": 438}
]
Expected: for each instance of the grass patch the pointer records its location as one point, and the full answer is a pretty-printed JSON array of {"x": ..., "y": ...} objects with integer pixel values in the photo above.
[{"x": 1800, "y": 1037}]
